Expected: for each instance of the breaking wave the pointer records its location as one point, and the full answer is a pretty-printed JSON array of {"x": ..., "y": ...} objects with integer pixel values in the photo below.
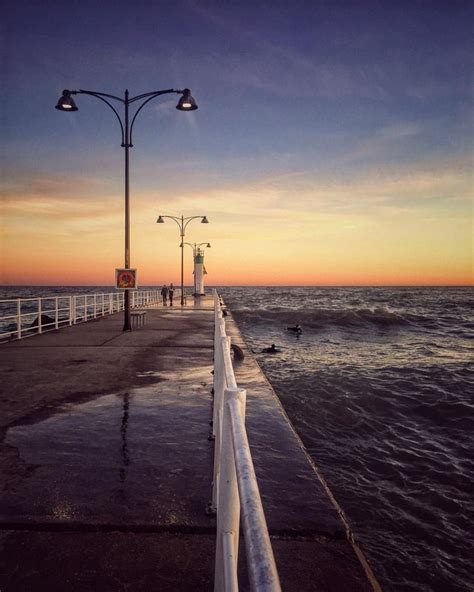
[{"x": 326, "y": 317}]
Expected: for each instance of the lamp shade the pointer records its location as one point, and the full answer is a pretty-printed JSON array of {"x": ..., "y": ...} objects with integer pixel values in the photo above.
[
  {"x": 160, "y": 220},
  {"x": 66, "y": 102},
  {"x": 186, "y": 102},
  {"x": 204, "y": 220}
]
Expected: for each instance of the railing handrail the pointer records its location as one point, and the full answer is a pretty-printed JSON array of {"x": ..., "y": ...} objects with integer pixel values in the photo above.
[
  {"x": 52, "y": 296},
  {"x": 74, "y": 309},
  {"x": 260, "y": 560},
  {"x": 235, "y": 487}
]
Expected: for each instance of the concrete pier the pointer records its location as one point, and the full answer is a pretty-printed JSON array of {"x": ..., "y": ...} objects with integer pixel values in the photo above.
[{"x": 106, "y": 466}]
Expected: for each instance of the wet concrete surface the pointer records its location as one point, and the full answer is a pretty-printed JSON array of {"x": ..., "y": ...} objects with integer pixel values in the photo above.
[
  {"x": 119, "y": 459},
  {"x": 144, "y": 562},
  {"x": 106, "y": 465}
]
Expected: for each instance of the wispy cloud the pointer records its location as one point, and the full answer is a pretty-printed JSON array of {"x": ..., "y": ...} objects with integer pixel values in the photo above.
[
  {"x": 382, "y": 191},
  {"x": 25, "y": 184}
]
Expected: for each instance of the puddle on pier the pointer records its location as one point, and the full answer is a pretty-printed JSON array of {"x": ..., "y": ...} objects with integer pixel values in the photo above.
[{"x": 138, "y": 457}]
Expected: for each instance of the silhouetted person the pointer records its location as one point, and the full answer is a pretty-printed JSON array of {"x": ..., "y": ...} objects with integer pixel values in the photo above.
[
  {"x": 164, "y": 294},
  {"x": 171, "y": 293}
]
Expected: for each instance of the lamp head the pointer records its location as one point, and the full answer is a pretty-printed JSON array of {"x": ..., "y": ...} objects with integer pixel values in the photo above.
[
  {"x": 66, "y": 102},
  {"x": 160, "y": 220},
  {"x": 186, "y": 102},
  {"x": 204, "y": 220},
  {"x": 208, "y": 245}
]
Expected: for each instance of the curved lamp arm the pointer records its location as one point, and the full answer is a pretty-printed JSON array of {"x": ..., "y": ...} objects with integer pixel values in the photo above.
[
  {"x": 189, "y": 218},
  {"x": 150, "y": 96},
  {"x": 196, "y": 247},
  {"x": 179, "y": 222},
  {"x": 101, "y": 97}
]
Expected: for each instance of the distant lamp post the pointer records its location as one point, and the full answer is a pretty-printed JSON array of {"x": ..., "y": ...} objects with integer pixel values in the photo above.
[
  {"x": 186, "y": 103},
  {"x": 198, "y": 255},
  {"x": 182, "y": 222}
]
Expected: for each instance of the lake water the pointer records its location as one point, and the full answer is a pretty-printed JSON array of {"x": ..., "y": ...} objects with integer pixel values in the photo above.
[{"x": 379, "y": 386}]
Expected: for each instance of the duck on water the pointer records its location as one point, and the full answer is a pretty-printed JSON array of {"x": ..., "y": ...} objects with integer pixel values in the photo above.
[{"x": 270, "y": 350}]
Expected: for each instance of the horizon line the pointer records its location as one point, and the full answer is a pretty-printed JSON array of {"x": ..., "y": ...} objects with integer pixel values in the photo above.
[{"x": 250, "y": 286}]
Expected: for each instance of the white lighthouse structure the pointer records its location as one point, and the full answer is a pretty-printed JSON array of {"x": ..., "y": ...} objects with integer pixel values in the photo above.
[{"x": 199, "y": 271}]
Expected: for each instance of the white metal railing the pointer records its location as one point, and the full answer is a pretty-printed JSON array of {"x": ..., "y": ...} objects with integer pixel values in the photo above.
[
  {"x": 24, "y": 317},
  {"x": 235, "y": 488}
]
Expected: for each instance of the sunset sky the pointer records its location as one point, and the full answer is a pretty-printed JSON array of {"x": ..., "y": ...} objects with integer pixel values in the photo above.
[{"x": 332, "y": 144}]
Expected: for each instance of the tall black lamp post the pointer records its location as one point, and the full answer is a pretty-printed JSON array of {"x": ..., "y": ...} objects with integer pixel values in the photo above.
[
  {"x": 186, "y": 103},
  {"x": 182, "y": 222}
]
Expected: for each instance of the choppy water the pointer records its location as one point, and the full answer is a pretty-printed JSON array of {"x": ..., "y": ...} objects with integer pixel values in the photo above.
[{"x": 379, "y": 386}]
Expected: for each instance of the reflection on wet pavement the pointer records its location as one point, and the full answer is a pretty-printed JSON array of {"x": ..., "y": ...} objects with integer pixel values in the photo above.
[
  {"x": 120, "y": 459},
  {"x": 123, "y": 431}
]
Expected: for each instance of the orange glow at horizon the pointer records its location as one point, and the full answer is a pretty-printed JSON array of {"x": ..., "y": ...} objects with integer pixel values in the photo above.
[{"x": 377, "y": 231}]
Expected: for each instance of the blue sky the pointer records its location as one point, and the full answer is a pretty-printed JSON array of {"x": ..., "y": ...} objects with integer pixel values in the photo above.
[{"x": 303, "y": 106}]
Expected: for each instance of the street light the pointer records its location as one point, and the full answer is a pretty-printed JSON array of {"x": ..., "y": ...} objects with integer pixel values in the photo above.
[
  {"x": 182, "y": 222},
  {"x": 196, "y": 247},
  {"x": 186, "y": 103}
]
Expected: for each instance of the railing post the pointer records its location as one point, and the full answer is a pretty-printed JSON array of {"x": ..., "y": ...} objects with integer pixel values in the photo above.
[
  {"x": 40, "y": 323},
  {"x": 56, "y": 315},
  {"x": 228, "y": 510},
  {"x": 18, "y": 315},
  {"x": 217, "y": 315},
  {"x": 219, "y": 386},
  {"x": 221, "y": 343}
]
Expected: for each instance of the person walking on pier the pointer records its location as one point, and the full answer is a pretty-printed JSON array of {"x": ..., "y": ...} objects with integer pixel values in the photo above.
[
  {"x": 171, "y": 293},
  {"x": 164, "y": 294}
]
